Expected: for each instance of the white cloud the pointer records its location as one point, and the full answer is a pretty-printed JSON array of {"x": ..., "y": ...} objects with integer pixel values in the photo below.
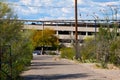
[
  {"x": 62, "y": 8},
  {"x": 95, "y": 7},
  {"x": 118, "y": 16},
  {"x": 26, "y": 2},
  {"x": 78, "y": 1},
  {"x": 66, "y": 10}
]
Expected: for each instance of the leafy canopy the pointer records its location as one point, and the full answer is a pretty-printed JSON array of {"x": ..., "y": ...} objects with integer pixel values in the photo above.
[{"x": 46, "y": 37}]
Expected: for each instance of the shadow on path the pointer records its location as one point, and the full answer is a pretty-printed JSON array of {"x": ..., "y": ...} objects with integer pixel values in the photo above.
[
  {"x": 55, "y": 77},
  {"x": 47, "y": 64},
  {"x": 45, "y": 68}
]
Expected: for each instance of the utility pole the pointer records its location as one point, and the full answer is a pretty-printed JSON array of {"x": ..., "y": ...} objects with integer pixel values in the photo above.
[
  {"x": 77, "y": 56},
  {"x": 42, "y": 39}
]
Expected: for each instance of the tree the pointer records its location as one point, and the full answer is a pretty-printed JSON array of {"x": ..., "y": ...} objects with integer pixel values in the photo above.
[
  {"x": 4, "y": 9},
  {"x": 106, "y": 45},
  {"x": 45, "y": 38},
  {"x": 19, "y": 43}
]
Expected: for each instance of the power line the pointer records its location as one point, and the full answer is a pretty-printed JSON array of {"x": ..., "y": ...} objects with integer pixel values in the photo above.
[{"x": 13, "y": 4}]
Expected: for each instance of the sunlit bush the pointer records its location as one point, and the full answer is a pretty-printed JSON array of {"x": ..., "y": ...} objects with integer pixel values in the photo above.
[{"x": 68, "y": 53}]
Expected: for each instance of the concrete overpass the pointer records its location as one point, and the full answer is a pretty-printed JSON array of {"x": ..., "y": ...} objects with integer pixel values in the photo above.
[{"x": 65, "y": 29}]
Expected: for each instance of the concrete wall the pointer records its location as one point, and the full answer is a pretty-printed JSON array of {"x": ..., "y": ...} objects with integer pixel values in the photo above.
[{"x": 70, "y": 29}]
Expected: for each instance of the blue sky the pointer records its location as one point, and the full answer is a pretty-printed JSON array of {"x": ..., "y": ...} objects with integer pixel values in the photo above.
[{"x": 64, "y": 9}]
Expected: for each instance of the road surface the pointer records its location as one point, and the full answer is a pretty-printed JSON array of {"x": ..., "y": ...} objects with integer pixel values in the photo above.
[{"x": 45, "y": 67}]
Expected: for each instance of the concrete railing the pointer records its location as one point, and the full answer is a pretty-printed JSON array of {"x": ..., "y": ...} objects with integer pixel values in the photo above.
[{"x": 60, "y": 28}]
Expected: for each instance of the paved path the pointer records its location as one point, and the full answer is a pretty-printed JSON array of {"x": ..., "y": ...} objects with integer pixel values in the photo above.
[{"x": 46, "y": 67}]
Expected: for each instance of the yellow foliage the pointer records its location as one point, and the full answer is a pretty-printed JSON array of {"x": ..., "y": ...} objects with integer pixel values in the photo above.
[{"x": 46, "y": 37}]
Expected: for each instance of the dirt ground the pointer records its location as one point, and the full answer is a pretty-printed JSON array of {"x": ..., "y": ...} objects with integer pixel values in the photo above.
[{"x": 45, "y": 67}]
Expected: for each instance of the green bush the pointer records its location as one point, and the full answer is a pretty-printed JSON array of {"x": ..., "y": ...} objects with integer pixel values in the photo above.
[
  {"x": 21, "y": 58},
  {"x": 15, "y": 41},
  {"x": 114, "y": 55},
  {"x": 68, "y": 53},
  {"x": 88, "y": 50},
  {"x": 52, "y": 53}
]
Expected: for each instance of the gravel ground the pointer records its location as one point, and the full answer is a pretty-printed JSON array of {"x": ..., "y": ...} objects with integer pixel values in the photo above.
[{"x": 45, "y": 67}]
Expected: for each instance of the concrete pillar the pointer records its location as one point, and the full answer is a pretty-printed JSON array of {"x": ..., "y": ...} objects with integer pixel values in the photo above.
[
  {"x": 86, "y": 29},
  {"x": 72, "y": 36}
]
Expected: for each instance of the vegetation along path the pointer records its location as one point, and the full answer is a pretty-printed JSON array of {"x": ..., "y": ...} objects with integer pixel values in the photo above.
[{"x": 46, "y": 67}]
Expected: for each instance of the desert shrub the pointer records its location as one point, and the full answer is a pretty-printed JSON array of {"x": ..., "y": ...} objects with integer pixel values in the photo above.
[
  {"x": 88, "y": 50},
  {"x": 68, "y": 53},
  {"x": 114, "y": 55},
  {"x": 107, "y": 45},
  {"x": 52, "y": 53},
  {"x": 13, "y": 41}
]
